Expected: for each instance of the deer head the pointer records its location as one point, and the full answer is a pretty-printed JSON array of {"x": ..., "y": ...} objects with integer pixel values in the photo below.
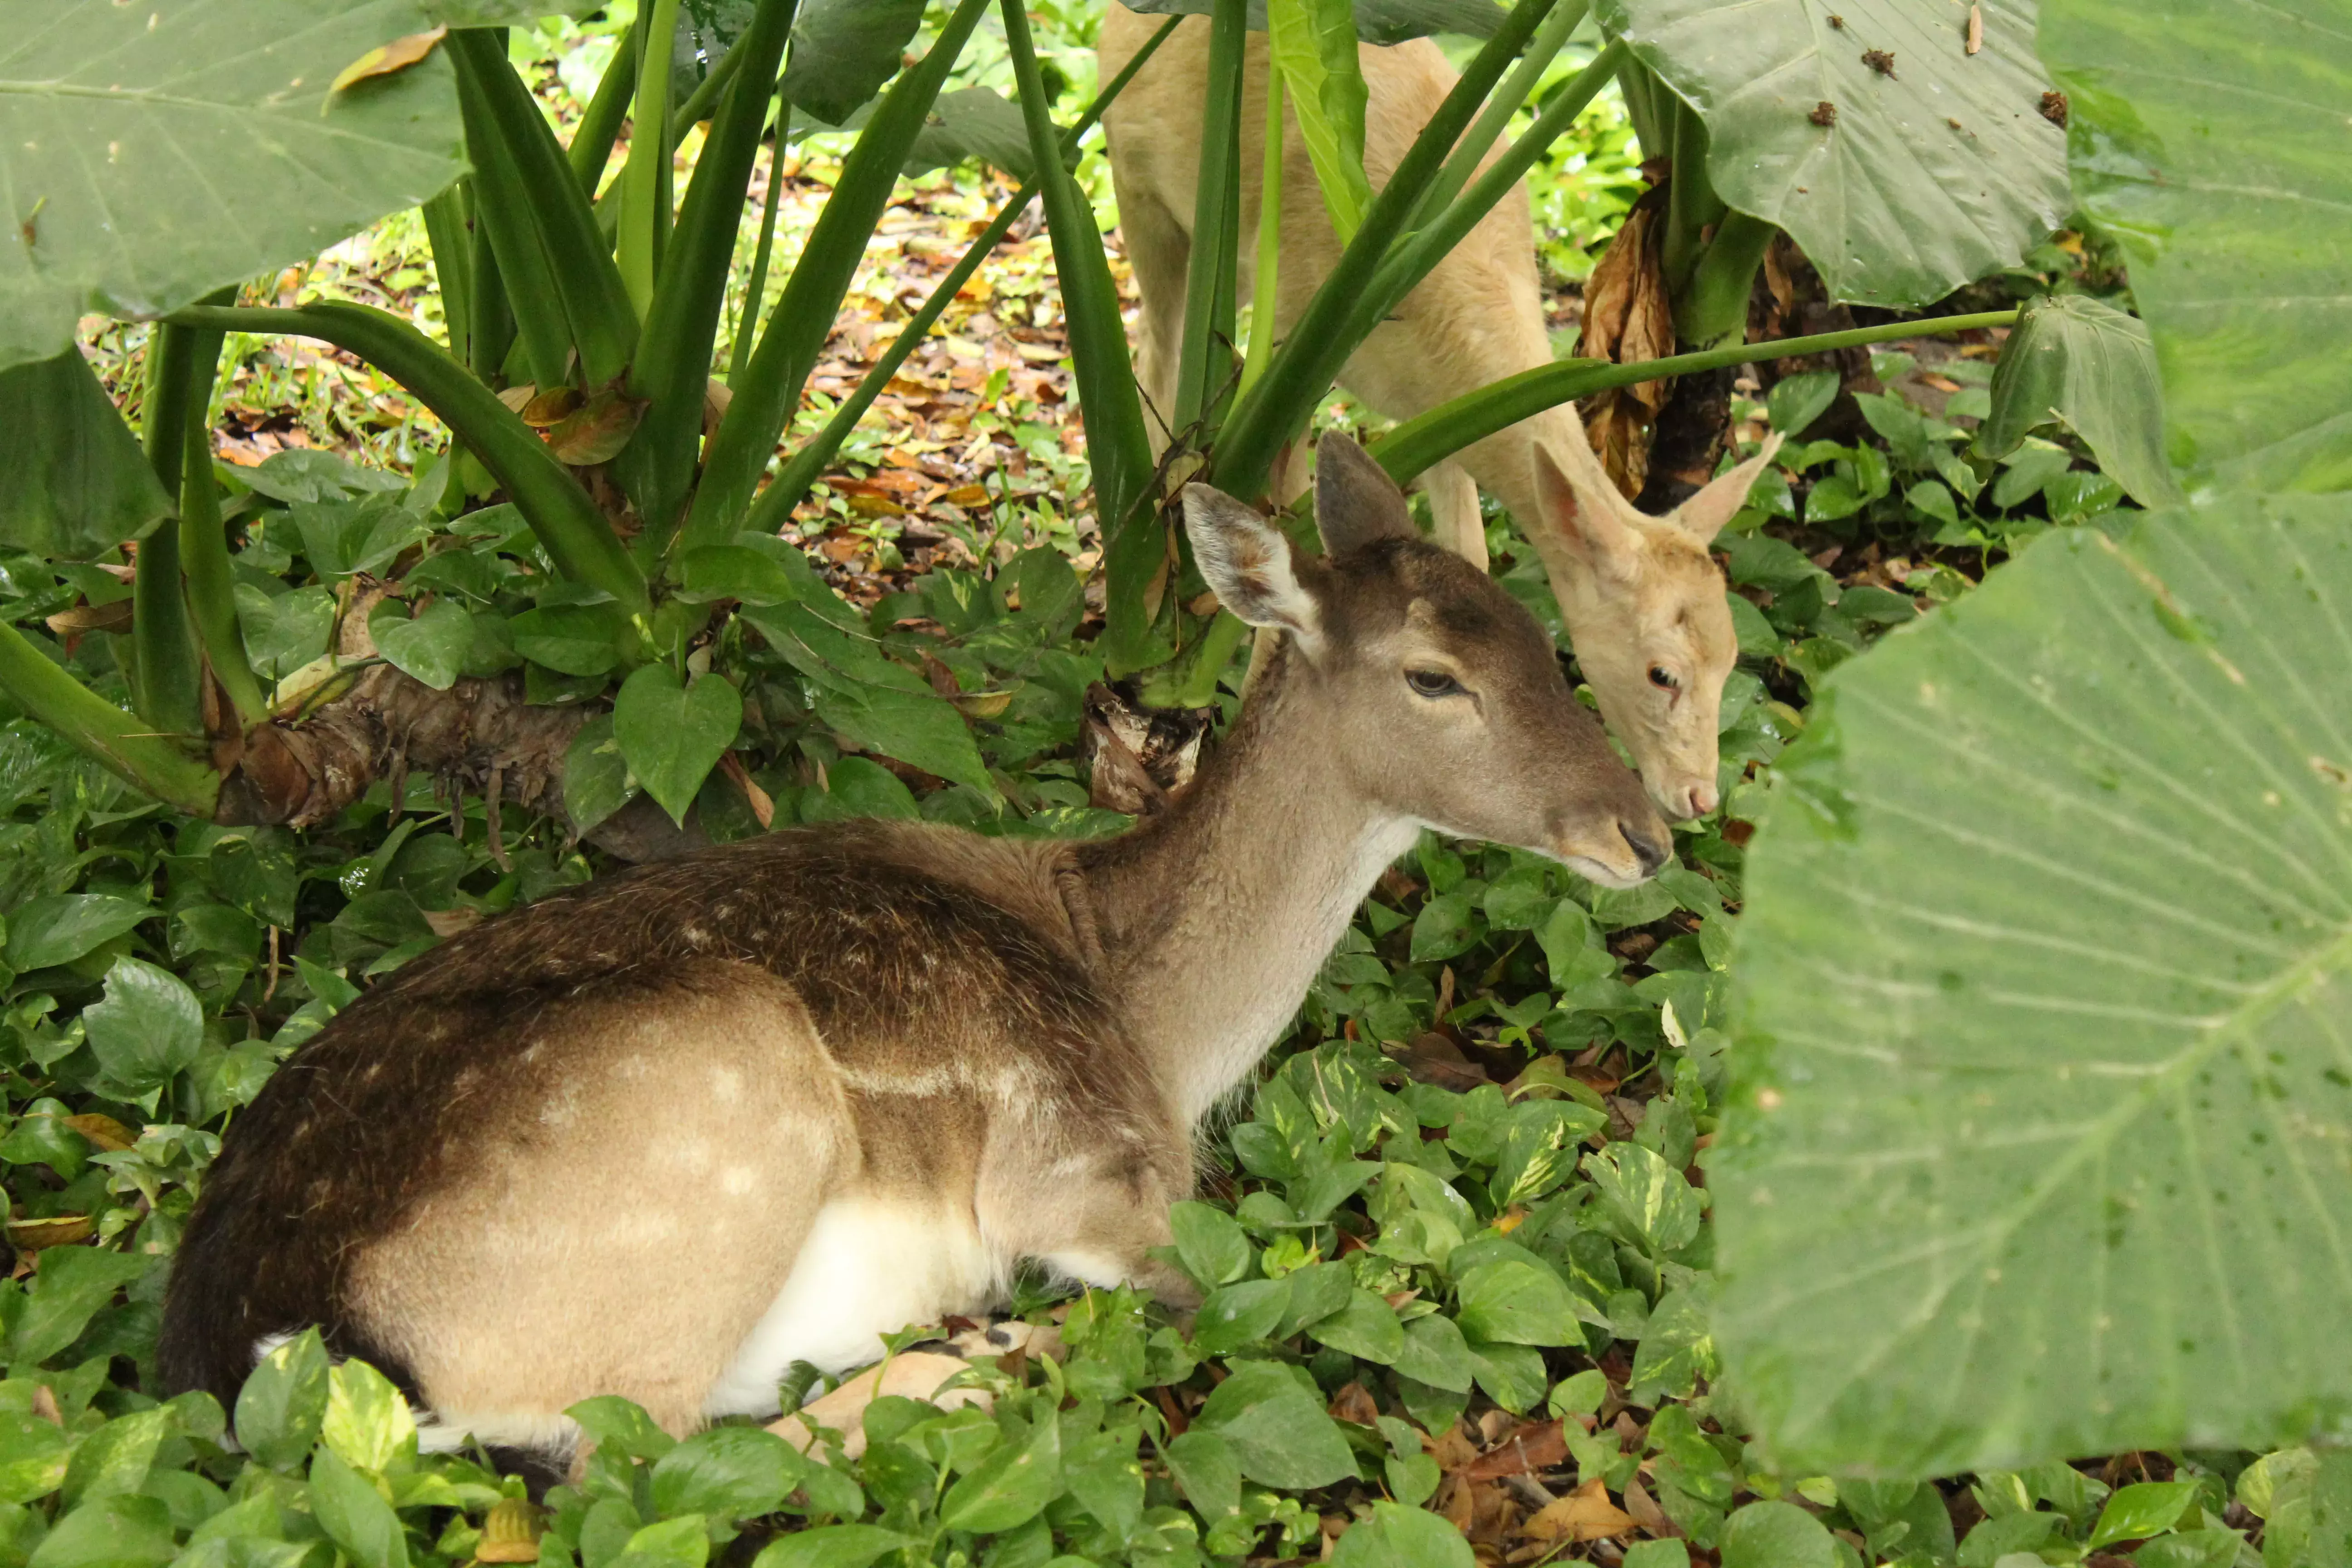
[
  {"x": 1440, "y": 691},
  {"x": 1645, "y": 605}
]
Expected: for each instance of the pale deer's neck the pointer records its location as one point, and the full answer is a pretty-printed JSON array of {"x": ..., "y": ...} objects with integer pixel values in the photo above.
[{"x": 1215, "y": 918}]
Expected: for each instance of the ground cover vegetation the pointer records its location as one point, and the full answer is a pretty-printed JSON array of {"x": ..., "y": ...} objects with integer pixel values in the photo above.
[{"x": 1968, "y": 1098}]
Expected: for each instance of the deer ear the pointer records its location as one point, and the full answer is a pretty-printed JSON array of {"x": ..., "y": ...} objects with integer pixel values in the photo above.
[
  {"x": 1703, "y": 515},
  {"x": 1248, "y": 563},
  {"x": 1589, "y": 526},
  {"x": 1355, "y": 501}
]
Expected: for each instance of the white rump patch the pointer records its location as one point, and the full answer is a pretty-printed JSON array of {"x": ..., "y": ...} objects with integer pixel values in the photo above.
[{"x": 867, "y": 1268}]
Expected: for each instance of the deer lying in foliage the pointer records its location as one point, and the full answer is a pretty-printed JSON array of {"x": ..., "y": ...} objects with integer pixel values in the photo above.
[
  {"x": 665, "y": 1134},
  {"x": 1642, "y": 598}
]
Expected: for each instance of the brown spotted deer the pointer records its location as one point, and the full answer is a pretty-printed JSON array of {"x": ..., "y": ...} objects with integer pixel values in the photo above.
[
  {"x": 665, "y": 1134},
  {"x": 1642, "y": 598}
]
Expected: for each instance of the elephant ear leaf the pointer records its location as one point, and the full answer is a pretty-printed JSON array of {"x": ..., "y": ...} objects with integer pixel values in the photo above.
[
  {"x": 845, "y": 50},
  {"x": 2210, "y": 138},
  {"x": 1815, "y": 119},
  {"x": 111, "y": 106},
  {"x": 76, "y": 481}
]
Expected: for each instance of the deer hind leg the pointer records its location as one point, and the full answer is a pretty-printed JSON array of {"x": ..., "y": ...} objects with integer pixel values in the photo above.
[
  {"x": 1160, "y": 252},
  {"x": 1453, "y": 508}
]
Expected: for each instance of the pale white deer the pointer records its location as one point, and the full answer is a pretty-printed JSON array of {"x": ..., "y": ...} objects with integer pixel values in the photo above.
[{"x": 1642, "y": 597}]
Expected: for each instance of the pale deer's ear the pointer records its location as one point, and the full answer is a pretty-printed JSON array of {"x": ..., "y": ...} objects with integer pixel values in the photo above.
[
  {"x": 1247, "y": 562},
  {"x": 1589, "y": 525},
  {"x": 1355, "y": 501},
  {"x": 1703, "y": 515}
]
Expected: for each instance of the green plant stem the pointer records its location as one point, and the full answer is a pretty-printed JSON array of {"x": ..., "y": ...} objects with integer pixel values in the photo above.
[
  {"x": 550, "y": 209},
  {"x": 1692, "y": 205},
  {"x": 600, "y": 126},
  {"x": 503, "y": 207},
  {"x": 453, "y": 254},
  {"x": 577, "y": 538},
  {"x": 755, "y": 288},
  {"x": 1197, "y": 688},
  {"x": 698, "y": 103},
  {"x": 1496, "y": 118},
  {"x": 769, "y": 388},
  {"x": 1118, "y": 443},
  {"x": 1265, "y": 276},
  {"x": 650, "y": 151},
  {"x": 123, "y": 741},
  {"x": 210, "y": 579},
  {"x": 490, "y": 331},
  {"x": 672, "y": 372},
  {"x": 1419, "y": 255},
  {"x": 1277, "y": 408},
  {"x": 1204, "y": 355},
  {"x": 1419, "y": 443},
  {"x": 1714, "y": 307},
  {"x": 774, "y": 507},
  {"x": 165, "y": 686}
]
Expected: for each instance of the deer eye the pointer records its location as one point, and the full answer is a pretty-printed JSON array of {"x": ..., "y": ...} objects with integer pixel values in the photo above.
[
  {"x": 1662, "y": 678},
  {"x": 1432, "y": 683}
]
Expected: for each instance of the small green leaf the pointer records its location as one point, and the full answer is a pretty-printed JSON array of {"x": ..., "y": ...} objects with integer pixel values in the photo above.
[
  {"x": 58, "y": 928},
  {"x": 595, "y": 780},
  {"x": 71, "y": 1283},
  {"x": 354, "y": 1515},
  {"x": 1648, "y": 1197},
  {"x": 432, "y": 647},
  {"x": 2138, "y": 1511},
  {"x": 1796, "y": 401},
  {"x": 1279, "y": 1428},
  {"x": 612, "y": 1422},
  {"x": 734, "y": 572},
  {"x": 1446, "y": 927},
  {"x": 283, "y": 1402},
  {"x": 728, "y": 1472},
  {"x": 832, "y": 1546},
  {"x": 1235, "y": 1315},
  {"x": 33, "y": 1455},
  {"x": 1212, "y": 1243},
  {"x": 1010, "y": 1487},
  {"x": 149, "y": 1025},
  {"x": 672, "y": 736},
  {"x": 367, "y": 1422},
  {"x": 1366, "y": 1328},
  {"x": 115, "y": 1460},
  {"x": 570, "y": 639},
  {"x": 1401, "y": 1537},
  {"x": 76, "y": 482},
  {"x": 1517, "y": 1303},
  {"x": 1208, "y": 1471},
  {"x": 1436, "y": 1353},
  {"x": 111, "y": 1532},
  {"x": 1777, "y": 1535}
]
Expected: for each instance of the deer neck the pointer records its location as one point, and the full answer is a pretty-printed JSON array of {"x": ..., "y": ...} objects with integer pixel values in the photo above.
[{"x": 1214, "y": 917}]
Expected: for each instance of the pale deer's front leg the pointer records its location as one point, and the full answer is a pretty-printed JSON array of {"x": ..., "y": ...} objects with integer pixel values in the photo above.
[{"x": 1160, "y": 252}]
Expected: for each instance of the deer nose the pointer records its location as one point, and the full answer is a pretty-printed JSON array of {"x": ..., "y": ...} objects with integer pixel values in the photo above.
[
  {"x": 1647, "y": 849},
  {"x": 1700, "y": 798}
]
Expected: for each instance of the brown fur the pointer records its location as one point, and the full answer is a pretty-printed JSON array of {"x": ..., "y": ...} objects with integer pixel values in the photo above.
[{"x": 587, "y": 1147}]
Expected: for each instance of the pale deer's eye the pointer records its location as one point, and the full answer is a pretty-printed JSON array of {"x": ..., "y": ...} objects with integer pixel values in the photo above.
[
  {"x": 1432, "y": 683},
  {"x": 1662, "y": 678}
]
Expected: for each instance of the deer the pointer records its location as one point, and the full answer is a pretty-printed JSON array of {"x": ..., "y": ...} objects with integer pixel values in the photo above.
[
  {"x": 666, "y": 1134},
  {"x": 1642, "y": 597}
]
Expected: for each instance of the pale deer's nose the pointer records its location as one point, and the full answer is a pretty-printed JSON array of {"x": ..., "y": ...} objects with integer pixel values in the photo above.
[
  {"x": 1700, "y": 798},
  {"x": 1647, "y": 849}
]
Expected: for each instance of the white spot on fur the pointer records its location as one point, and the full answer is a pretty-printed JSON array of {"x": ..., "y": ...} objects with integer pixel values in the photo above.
[
  {"x": 867, "y": 1268},
  {"x": 736, "y": 1181},
  {"x": 726, "y": 1082}
]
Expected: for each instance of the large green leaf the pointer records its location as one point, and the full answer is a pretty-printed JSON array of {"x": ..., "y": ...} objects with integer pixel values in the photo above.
[
  {"x": 2088, "y": 365},
  {"x": 1377, "y": 21},
  {"x": 2045, "y": 1083},
  {"x": 1313, "y": 44},
  {"x": 73, "y": 479},
  {"x": 1929, "y": 178},
  {"x": 2212, "y": 136},
  {"x": 153, "y": 153},
  {"x": 844, "y": 51}
]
